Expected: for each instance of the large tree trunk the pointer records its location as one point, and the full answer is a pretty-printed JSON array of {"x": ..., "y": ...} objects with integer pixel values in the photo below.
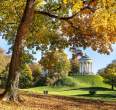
[{"x": 10, "y": 93}]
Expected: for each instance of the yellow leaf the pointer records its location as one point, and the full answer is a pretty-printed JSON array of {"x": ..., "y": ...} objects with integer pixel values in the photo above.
[
  {"x": 65, "y": 1},
  {"x": 77, "y": 6}
]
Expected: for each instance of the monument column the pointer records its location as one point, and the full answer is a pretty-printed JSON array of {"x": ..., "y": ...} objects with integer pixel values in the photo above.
[
  {"x": 87, "y": 67},
  {"x": 83, "y": 68},
  {"x": 91, "y": 67},
  {"x": 80, "y": 67}
]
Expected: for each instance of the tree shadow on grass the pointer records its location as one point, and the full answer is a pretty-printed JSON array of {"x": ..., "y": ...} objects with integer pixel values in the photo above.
[
  {"x": 91, "y": 88},
  {"x": 96, "y": 88},
  {"x": 98, "y": 95}
]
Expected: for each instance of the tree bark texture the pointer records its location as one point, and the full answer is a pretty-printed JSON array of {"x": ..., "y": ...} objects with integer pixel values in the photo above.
[{"x": 10, "y": 93}]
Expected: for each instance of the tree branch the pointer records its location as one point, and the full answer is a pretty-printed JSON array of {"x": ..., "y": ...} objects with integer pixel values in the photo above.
[
  {"x": 54, "y": 16},
  {"x": 64, "y": 17},
  {"x": 59, "y": 7}
]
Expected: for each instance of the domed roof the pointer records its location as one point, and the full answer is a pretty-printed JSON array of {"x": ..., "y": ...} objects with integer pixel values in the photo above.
[{"x": 85, "y": 58}]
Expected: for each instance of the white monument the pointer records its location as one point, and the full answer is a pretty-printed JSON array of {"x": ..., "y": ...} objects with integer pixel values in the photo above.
[{"x": 85, "y": 63}]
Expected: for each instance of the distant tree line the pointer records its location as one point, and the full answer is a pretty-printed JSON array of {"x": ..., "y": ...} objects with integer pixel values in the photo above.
[{"x": 52, "y": 69}]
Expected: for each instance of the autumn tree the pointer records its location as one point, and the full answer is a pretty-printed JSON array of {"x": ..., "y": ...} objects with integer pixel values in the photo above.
[
  {"x": 104, "y": 19},
  {"x": 109, "y": 75},
  {"x": 74, "y": 65},
  {"x": 4, "y": 60},
  {"x": 26, "y": 78},
  {"x": 56, "y": 63},
  {"x": 4, "y": 63},
  {"x": 93, "y": 28},
  {"x": 13, "y": 77},
  {"x": 36, "y": 69},
  {"x": 18, "y": 19}
]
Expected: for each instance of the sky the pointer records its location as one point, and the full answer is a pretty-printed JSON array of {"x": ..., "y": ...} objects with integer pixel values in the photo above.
[{"x": 99, "y": 60}]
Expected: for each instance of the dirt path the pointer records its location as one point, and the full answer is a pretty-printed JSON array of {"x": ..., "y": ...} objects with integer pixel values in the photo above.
[{"x": 42, "y": 102}]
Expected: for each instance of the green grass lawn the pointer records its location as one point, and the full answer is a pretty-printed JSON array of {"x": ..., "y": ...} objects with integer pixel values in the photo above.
[{"x": 81, "y": 89}]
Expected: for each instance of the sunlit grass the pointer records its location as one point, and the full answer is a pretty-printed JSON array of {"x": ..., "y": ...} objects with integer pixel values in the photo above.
[{"x": 81, "y": 90}]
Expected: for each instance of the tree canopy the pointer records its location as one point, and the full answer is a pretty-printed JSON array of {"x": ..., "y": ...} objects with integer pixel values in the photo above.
[
  {"x": 109, "y": 74},
  {"x": 57, "y": 24},
  {"x": 56, "y": 62}
]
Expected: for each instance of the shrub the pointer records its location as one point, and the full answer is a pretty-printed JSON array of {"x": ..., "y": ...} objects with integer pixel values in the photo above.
[
  {"x": 66, "y": 81},
  {"x": 3, "y": 76},
  {"x": 42, "y": 81},
  {"x": 26, "y": 78},
  {"x": 92, "y": 92}
]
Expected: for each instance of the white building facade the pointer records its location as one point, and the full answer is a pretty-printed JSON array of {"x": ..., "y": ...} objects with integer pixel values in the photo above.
[{"x": 86, "y": 65}]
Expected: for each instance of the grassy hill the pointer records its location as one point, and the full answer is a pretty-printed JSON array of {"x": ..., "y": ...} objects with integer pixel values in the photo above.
[
  {"x": 81, "y": 88},
  {"x": 78, "y": 82},
  {"x": 89, "y": 80}
]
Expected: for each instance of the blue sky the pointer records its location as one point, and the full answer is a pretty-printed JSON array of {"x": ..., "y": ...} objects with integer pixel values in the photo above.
[{"x": 99, "y": 60}]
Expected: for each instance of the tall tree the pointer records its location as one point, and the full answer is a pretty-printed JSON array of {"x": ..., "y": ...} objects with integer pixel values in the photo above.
[
  {"x": 10, "y": 92},
  {"x": 74, "y": 65}
]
